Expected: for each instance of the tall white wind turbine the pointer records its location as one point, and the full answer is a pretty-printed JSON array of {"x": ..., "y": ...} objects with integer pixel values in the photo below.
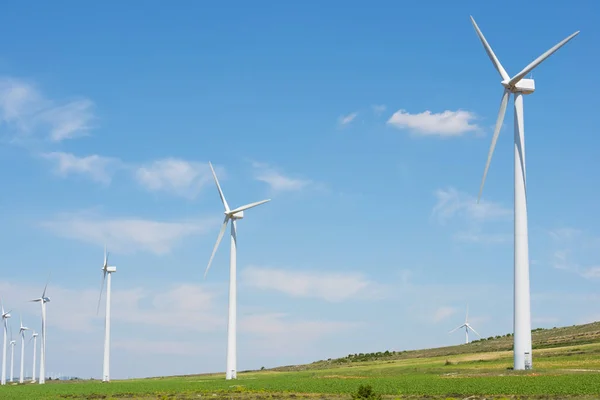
[
  {"x": 12, "y": 358},
  {"x": 5, "y": 317},
  {"x": 518, "y": 86},
  {"x": 22, "y": 330},
  {"x": 106, "y": 270},
  {"x": 232, "y": 215},
  {"x": 34, "y": 338},
  {"x": 43, "y": 300},
  {"x": 467, "y": 326}
]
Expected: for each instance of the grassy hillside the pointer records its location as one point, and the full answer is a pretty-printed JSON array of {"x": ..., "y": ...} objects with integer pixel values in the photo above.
[
  {"x": 541, "y": 339},
  {"x": 566, "y": 366}
]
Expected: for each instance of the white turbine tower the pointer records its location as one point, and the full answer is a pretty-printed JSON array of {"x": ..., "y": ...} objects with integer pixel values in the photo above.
[
  {"x": 22, "y": 330},
  {"x": 467, "y": 326},
  {"x": 232, "y": 215},
  {"x": 12, "y": 357},
  {"x": 106, "y": 270},
  {"x": 43, "y": 300},
  {"x": 518, "y": 86},
  {"x": 34, "y": 338},
  {"x": 5, "y": 317}
]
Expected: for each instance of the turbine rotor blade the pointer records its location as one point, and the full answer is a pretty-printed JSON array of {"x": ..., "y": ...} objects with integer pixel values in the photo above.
[
  {"x": 219, "y": 188},
  {"x": 499, "y": 122},
  {"x": 247, "y": 206},
  {"x": 45, "y": 287},
  {"x": 539, "y": 60},
  {"x": 101, "y": 289},
  {"x": 490, "y": 52},
  {"x": 457, "y": 328},
  {"x": 221, "y": 233},
  {"x": 105, "y": 256},
  {"x": 469, "y": 327},
  {"x": 467, "y": 316}
]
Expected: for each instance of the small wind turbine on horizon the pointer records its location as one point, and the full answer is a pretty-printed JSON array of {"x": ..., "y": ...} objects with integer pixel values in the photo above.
[
  {"x": 518, "y": 86},
  {"x": 43, "y": 300},
  {"x": 22, "y": 330},
  {"x": 106, "y": 270},
  {"x": 467, "y": 326},
  {"x": 232, "y": 215},
  {"x": 34, "y": 336},
  {"x": 12, "y": 358},
  {"x": 5, "y": 317}
]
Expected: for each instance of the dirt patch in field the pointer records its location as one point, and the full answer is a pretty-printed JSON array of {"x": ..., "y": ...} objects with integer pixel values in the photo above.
[{"x": 342, "y": 377}]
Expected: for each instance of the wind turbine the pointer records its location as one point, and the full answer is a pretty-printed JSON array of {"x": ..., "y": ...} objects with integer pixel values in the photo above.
[
  {"x": 518, "y": 86},
  {"x": 467, "y": 326},
  {"x": 106, "y": 270},
  {"x": 34, "y": 338},
  {"x": 22, "y": 330},
  {"x": 232, "y": 215},
  {"x": 43, "y": 300},
  {"x": 12, "y": 357},
  {"x": 5, "y": 317}
]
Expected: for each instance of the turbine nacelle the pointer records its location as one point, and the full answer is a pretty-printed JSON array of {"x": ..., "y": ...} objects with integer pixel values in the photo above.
[
  {"x": 237, "y": 215},
  {"x": 524, "y": 86},
  {"x": 109, "y": 269}
]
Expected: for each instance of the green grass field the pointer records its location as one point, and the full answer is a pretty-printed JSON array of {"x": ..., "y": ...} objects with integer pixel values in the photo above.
[{"x": 566, "y": 365}]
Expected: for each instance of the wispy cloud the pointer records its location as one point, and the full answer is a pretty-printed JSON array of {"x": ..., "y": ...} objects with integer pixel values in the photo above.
[
  {"x": 378, "y": 109},
  {"x": 26, "y": 110},
  {"x": 277, "y": 180},
  {"x": 444, "y": 124},
  {"x": 345, "y": 120},
  {"x": 329, "y": 286},
  {"x": 127, "y": 234},
  {"x": 277, "y": 331},
  {"x": 452, "y": 203},
  {"x": 175, "y": 176},
  {"x": 574, "y": 250},
  {"x": 443, "y": 313},
  {"x": 96, "y": 167}
]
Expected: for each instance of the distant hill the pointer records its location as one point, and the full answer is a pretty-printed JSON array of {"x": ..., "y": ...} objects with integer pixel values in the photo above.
[{"x": 542, "y": 338}]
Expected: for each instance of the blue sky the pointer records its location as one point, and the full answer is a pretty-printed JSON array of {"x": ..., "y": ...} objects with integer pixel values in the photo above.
[{"x": 367, "y": 125}]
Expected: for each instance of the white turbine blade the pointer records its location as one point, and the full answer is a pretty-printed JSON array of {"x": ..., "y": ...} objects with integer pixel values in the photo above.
[
  {"x": 457, "y": 328},
  {"x": 490, "y": 52},
  {"x": 45, "y": 287},
  {"x": 539, "y": 60},
  {"x": 247, "y": 206},
  {"x": 467, "y": 316},
  {"x": 221, "y": 233},
  {"x": 499, "y": 122},
  {"x": 105, "y": 256},
  {"x": 219, "y": 187},
  {"x": 101, "y": 289},
  {"x": 469, "y": 327}
]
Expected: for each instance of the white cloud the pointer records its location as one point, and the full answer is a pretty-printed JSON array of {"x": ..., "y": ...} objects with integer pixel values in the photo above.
[
  {"x": 176, "y": 176},
  {"x": 452, "y": 203},
  {"x": 277, "y": 180},
  {"x": 445, "y": 124},
  {"x": 347, "y": 119},
  {"x": 127, "y": 234},
  {"x": 574, "y": 251},
  {"x": 378, "y": 109},
  {"x": 98, "y": 168},
  {"x": 443, "y": 313},
  {"x": 26, "y": 110},
  {"x": 277, "y": 332},
  {"x": 329, "y": 286}
]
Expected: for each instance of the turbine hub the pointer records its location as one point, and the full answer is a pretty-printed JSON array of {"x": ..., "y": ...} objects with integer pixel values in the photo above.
[
  {"x": 524, "y": 86},
  {"x": 237, "y": 215}
]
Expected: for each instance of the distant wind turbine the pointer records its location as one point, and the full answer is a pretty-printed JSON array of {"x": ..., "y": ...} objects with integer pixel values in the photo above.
[
  {"x": 34, "y": 338},
  {"x": 106, "y": 270},
  {"x": 232, "y": 215},
  {"x": 22, "y": 330},
  {"x": 467, "y": 326},
  {"x": 12, "y": 358},
  {"x": 519, "y": 86},
  {"x": 5, "y": 317},
  {"x": 43, "y": 300}
]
